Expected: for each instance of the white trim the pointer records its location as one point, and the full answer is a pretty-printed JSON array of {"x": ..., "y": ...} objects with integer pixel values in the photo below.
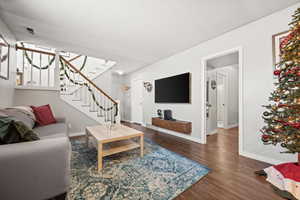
[
  {"x": 261, "y": 158},
  {"x": 128, "y": 121},
  {"x": 37, "y": 88},
  {"x": 241, "y": 94},
  {"x": 232, "y": 126},
  {"x": 173, "y": 133},
  {"x": 144, "y": 125},
  {"x": 213, "y": 132},
  {"x": 76, "y": 134}
]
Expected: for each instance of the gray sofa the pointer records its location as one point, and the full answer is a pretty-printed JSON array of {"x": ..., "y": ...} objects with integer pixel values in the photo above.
[{"x": 39, "y": 169}]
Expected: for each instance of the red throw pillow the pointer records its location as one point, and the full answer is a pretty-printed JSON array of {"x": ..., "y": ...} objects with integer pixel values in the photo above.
[{"x": 43, "y": 115}]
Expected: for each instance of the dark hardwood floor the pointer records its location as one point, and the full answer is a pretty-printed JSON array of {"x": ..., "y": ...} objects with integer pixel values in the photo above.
[{"x": 232, "y": 176}]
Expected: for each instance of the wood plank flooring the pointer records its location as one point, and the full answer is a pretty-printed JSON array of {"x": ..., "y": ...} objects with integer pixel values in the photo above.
[{"x": 232, "y": 176}]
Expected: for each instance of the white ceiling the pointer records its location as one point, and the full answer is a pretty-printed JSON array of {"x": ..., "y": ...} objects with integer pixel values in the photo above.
[
  {"x": 222, "y": 61},
  {"x": 135, "y": 33}
]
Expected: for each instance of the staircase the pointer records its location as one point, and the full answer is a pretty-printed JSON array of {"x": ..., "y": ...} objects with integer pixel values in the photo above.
[
  {"x": 82, "y": 93},
  {"x": 76, "y": 88}
]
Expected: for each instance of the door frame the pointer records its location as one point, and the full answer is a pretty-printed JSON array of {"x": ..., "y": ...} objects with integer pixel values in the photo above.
[
  {"x": 142, "y": 100},
  {"x": 203, "y": 71}
]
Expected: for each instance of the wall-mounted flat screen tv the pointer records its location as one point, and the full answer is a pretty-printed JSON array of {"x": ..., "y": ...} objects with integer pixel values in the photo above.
[{"x": 174, "y": 89}]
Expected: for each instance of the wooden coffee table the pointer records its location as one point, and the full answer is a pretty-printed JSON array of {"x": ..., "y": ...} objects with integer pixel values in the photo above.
[{"x": 117, "y": 140}]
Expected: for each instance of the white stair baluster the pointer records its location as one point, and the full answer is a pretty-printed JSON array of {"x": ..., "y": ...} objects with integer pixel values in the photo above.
[{"x": 40, "y": 72}]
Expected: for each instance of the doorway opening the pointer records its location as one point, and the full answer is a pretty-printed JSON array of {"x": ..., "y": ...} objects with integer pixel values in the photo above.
[{"x": 222, "y": 107}]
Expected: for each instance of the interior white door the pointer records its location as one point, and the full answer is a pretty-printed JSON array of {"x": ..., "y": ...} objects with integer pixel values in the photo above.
[
  {"x": 137, "y": 101},
  {"x": 211, "y": 99},
  {"x": 221, "y": 91}
]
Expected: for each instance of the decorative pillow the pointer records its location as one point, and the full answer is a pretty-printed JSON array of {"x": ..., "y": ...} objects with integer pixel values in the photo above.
[
  {"x": 43, "y": 115},
  {"x": 12, "y": 131},
  {"x": 21, "y": 115}
]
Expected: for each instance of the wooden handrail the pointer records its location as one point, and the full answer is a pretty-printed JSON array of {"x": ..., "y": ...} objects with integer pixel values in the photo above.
[
  {"x": 87, "y": 79},
  {"x": 34, "y": 50},
  {"x": 74, "y": 58}
]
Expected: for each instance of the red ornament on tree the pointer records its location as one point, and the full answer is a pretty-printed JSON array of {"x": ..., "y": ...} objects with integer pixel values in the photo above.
[
  {"x": 265, "y": 138},
  {"x": 277, "y": 72}
]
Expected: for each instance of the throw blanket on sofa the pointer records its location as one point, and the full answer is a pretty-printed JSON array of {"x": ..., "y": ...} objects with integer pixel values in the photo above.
[{"x": 13, "y": 131}]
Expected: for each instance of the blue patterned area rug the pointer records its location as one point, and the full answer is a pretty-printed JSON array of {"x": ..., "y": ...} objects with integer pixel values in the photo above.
[{"x": 159, "y": 175}]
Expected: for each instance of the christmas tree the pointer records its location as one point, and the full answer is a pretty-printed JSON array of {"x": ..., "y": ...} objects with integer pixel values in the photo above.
[{"x": 282, "y": 117}]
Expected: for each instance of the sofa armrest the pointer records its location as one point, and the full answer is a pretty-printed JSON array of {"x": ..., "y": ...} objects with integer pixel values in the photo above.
[{"x": 35, "y": 170}]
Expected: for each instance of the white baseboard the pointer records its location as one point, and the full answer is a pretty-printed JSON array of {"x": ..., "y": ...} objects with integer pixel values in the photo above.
[
  {"x": 261, "y": 158},
  {"x": 76, "y": 134},
  {"x": 174, "y": 133},
  {"x": 213, "y": 132},
  {"x": 144, "y": 125},
  {"x": 124, "y": 120},
  {"x": 232, "y": 126}
]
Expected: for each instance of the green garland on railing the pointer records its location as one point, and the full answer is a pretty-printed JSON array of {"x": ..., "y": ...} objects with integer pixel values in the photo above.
[
  {"x": 3, "y": 58},
  {"x": 50, "y": 62},
  {"x": 31, "y": 62},
  {"x": 64, "y": 67}
]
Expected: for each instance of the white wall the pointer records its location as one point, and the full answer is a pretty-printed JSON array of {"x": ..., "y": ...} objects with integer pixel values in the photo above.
[
  {"x": 256, "y": 41},
  {"x": 7, "y": 86},
  {"x": 111, "y": 83}
]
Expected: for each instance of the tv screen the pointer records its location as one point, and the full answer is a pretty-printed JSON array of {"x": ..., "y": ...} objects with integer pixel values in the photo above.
[{"x": 175, "y": 89}]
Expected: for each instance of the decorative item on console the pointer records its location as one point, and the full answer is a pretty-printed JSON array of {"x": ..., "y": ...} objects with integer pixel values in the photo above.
[
  {"x": 168, "y": 115},
  {"x": 159, "y": 113},
  {"x": 125, "y": 88},
  {"x": 148, "y": 86}
]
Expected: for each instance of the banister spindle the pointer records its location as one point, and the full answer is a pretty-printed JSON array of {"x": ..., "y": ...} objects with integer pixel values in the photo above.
[
  {"x": 97, "y": 107},
  {"x": 111, "y": 112},
  {"x": 23, "y": 66},
  {"x": 80, "y": 93},
  {"x": 31, "y": 69},
  {"x": 105, "y": 109},
  {"x": 40, "y": 78},
  {"x": 85, "y": 100},
  {"x": 48, "y": 70}
]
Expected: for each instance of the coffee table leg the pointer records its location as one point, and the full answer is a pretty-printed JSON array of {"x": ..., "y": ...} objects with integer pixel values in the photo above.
[
  {"x": 142, "y": 145},
  {"x": 100, "y": 151}
]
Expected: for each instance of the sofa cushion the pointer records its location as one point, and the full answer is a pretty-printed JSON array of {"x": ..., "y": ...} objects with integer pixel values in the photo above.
[
  {"x": 43, "y": 115},
  {"x": 20, "y": 115},
  {"x": 51, "y": 130}
]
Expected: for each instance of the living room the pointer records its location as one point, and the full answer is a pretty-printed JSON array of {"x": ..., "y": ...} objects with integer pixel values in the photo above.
[{"x": 114, "y": 94}]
